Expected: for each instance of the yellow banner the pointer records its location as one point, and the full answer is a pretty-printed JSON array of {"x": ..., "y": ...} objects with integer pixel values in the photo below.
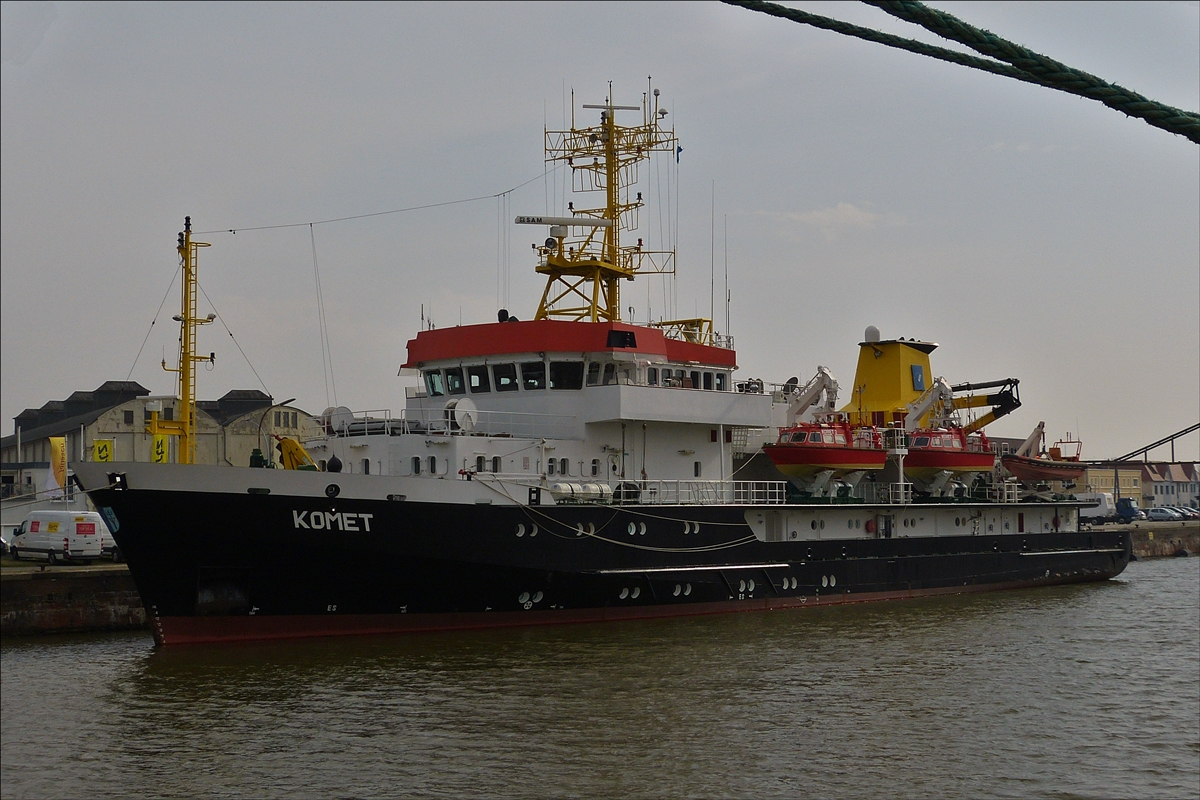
[
  {"x": 160, "y": 449},
  {"x": 102, "y": 450},
  {"x": 58, "y": 459}
]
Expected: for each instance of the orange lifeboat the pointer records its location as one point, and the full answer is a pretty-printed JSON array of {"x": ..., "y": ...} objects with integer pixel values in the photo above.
[{"x": 807, "y": 449}]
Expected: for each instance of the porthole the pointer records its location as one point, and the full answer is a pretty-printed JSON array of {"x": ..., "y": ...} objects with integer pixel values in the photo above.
[
  {"x": 824, "y": 580},
  {"x": 957, "y": 522},
  {"x": 741, "y": 586},
  {"x": 857, "y": 524},
  {"x": 678, "y": 589},
  {"x": 794, "y": 584},
  {"x": 849, "y": 523},
  {"x": 537, "y": 597},
  {"x": 813, "y": 524},
  {"x": 520, "y": 529},
  {"x": 905, "y": 523},
  {"x": 844, "y": 552},
  {"x": 832, "y": 580},
  {"x": 636, "y": 591},
  {"x": 809, "y": 556},
  {"x": 687, "y": 589},
  {"x": 624, "y": 593},
  {"x": 822, "y": 524},
  {"x": 632, "y": 528},
  {"x": 524, "y": 598},
  {"x": 750, "y": 586}
]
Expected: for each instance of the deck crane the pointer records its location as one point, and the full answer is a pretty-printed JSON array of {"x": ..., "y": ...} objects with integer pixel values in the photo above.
[
  {"x": 938, "y": 398},
  {"x": 1003, "y": 402},
  {"x": 802, "y": 398}
]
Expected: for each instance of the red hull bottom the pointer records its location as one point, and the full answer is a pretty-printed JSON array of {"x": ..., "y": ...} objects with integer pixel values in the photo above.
[{"x": 199, "y": 630}]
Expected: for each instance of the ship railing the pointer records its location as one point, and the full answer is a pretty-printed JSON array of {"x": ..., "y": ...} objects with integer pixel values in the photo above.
[
  {"x": 517, "y": 424},
  {"x": 900, "y": 493},
  {"x": 445, "y": 422},
  {"x": 1005, "y": 492},
  {"x": 667, "y": 492}
]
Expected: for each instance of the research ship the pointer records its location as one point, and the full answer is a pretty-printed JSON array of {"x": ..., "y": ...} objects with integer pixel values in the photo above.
[{"x": 571, "y": 467}]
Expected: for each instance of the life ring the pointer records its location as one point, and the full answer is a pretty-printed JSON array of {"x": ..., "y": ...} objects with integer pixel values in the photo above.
[{"x": 870, "y": 526}]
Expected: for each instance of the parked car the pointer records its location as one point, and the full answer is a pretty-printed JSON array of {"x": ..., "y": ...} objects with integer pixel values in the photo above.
[
  {"x": 1162, "y": 514},
  {"x": 71, "y": 536},
  {"x": 1187, "y": 513}
]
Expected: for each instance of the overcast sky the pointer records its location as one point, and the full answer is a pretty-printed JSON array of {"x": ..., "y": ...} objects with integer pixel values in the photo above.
[{"x": 1033, "y": 234}]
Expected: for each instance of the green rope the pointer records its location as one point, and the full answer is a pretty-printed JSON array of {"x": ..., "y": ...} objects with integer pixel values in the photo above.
[{"x": 1021, "y": 63}]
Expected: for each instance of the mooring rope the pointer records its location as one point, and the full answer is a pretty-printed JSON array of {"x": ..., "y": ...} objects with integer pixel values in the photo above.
[{"x": 1016, "y": 61}]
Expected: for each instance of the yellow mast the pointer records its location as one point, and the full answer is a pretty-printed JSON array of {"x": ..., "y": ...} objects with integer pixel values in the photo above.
[
  {"x": 189, "y": 322},
  {"x": 582, "y": 272}
]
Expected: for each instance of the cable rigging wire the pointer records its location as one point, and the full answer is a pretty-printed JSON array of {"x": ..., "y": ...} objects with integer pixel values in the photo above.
[
  {"x": 1014, "y": 61},
  {"x": 151, "y": 328}
]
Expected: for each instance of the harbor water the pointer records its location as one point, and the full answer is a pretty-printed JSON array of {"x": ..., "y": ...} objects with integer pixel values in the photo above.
[{"x": 1089, "y": 690}]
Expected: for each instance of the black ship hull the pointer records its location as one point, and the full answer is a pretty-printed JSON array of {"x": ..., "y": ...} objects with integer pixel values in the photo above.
[{"x": 213, "y": 566}]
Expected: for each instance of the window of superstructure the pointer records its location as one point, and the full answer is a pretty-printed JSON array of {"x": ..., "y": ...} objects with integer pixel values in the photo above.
[
  {"x": 454, "y": 381},
  {"x": 708, "y": 381},
  {"x": 477, "y": 379},
  {"x": 921, "y": 441},
  {"x": 480, "y": 464},
  {"x": 433, "y": 465},
  {"x": 652, "y": 376},
  {"x": 434, "y": 384},
  {"x": 366, "y": 466},
  {"x": 696, "y": 468},
  {"x": 533, "y": 375},
  {"x": 610, "y": 373},
  {"x": 696, "y": 380},
  {"x": 564, "y": 466},
  {"x": 595, "y": 467},
  {"x": 566, "y": 374},
  {"x": 506, "y": 377},
  {"x": 128, "y": 417},
  {"x": 416, "y": 465},
  {"x": 593, "y": 373},
  {"x": 722, "y": 381},
  {"x": 495, "y": 463},
  {"x": 550, "y": 465},
  {"x": 815, "y": 436}
]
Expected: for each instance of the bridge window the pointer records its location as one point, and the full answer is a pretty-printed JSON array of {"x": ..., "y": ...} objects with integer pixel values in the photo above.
[
  {"x": 708, "y": 381},
  {"x": 652, "y": 376},
  {"x": 566, "y": 374},
  {"x": 593, "y": 373},
  {"x": 506, "y": 377},
  {"x": 454, "y": 381},
  {"x": 433, "y": 383},
  {"x": 695, "y": 380},
  {"x": 477, "y": 377},
  {"x": 533, "y": 375},
  {"x": 610, "y": 374}
]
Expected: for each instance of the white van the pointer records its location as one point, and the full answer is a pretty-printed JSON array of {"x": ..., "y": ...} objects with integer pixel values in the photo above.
[{"x": 59, "y": 536}]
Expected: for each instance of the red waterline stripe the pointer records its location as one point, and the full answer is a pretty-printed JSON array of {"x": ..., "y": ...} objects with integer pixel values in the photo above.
[{"x": 198, "y": 630}]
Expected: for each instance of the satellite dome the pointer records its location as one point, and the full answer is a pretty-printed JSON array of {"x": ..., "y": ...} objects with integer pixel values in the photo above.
[{"x": 871, "y": 334}]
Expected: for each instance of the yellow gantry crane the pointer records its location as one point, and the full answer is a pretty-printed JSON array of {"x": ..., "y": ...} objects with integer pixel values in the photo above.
[
  {"x": 584, "y": 260},
  {"x": 189, "y": 321}
]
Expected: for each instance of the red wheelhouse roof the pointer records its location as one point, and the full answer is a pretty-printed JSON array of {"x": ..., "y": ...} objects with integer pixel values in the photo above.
[{"x": 555, "y": 336}]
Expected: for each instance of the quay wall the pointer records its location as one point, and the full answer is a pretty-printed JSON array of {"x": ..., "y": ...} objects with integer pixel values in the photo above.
[
  {"x": 1165, "y": 539},
  {"x": 83, "y": 599},
  {"x": 69, "y": 600}
]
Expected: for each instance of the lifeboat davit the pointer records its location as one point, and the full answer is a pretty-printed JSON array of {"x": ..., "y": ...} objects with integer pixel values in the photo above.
[
  {"x": 807, "y": 449},
  {"x": 937, "y": 450}
]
